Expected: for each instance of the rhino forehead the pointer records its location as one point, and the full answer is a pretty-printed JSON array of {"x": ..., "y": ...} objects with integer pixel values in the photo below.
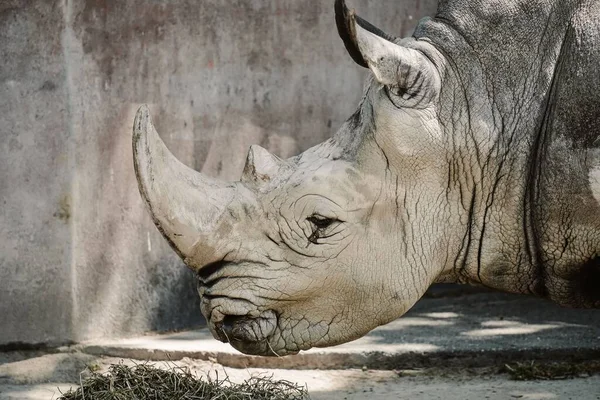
[{"x": 336, "y": 181}]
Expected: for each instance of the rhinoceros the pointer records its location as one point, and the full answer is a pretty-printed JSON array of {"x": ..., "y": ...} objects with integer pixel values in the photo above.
[{"x": 473, "y": 157}]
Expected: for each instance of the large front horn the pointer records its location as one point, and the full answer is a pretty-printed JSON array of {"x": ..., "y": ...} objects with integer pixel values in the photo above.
[{"x": 184, "y": 204}]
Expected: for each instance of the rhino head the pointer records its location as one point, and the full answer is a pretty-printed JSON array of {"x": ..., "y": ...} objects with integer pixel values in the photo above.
[{"x": 321, "y": 248}]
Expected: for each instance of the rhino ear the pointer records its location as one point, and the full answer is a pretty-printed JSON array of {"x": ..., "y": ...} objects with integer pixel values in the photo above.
[
  {"x": 261, "y": 166},
  {"x": 406, "y": 71}
]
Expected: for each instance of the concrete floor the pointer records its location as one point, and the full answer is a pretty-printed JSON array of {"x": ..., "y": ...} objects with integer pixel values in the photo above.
[
  {"x": 444, "y": 348},
  {"x": 350, "y": 384}
]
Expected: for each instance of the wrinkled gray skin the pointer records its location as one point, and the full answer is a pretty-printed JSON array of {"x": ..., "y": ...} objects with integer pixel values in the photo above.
[{"x": 473, "y": 157}]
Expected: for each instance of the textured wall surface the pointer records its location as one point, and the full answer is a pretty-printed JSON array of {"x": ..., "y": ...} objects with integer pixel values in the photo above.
[
  {"x": 79, "y": 255},
  {"x": 35, "y": 176}
]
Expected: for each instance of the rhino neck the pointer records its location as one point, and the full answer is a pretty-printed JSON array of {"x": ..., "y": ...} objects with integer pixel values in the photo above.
[{"x": 506, "y": 59}]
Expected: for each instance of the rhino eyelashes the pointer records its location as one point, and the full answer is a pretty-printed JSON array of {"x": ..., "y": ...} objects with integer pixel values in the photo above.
[
  {"x": 320, "y": 222},
  {"x": 320, "y": 225}
]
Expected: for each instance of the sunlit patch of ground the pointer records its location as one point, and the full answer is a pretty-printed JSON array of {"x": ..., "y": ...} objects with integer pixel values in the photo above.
[
  {"x": 27, "y": 379},
  {"x": 501, "y": 328}
]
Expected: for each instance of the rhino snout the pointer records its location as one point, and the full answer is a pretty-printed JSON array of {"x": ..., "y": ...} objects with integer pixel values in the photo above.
[
  {"x": 249, "y": 329},
  {"x": 248, "y": 334}
]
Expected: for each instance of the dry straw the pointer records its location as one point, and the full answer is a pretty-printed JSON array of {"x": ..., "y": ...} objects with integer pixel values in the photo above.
[{"x": 145, "y": 381}]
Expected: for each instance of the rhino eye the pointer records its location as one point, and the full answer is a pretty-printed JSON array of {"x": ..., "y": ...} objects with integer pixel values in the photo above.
[
  {"x": 320, "y": 222},
  {"x": 320, "y": 227}
]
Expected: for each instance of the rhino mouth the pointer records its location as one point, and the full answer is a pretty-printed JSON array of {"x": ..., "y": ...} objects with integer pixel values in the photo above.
[
  {"x": 235, "y": 320},
  {"x": 248, "y": 334}
]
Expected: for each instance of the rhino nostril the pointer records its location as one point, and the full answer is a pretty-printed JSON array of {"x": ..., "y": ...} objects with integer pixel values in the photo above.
[{"x": 230, "y": 322}]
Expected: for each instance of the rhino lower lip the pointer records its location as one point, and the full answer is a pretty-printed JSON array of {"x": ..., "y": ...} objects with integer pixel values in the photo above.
[{"x": 246, "y": 330}]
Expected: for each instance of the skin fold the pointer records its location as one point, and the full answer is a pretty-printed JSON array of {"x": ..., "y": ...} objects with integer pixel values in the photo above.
[{"x": 472, "y": 157}]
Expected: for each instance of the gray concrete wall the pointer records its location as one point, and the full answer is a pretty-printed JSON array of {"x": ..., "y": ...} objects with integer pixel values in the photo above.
[
  {"x": 79, "y": 255},
  {"x": 35, "y": 176}
]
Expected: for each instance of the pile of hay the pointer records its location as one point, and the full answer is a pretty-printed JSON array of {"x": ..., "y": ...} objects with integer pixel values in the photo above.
[{"x": 145, "y": 381}]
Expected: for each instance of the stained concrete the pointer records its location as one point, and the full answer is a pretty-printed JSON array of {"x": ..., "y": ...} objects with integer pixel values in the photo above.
[
  {"x": 36, "y": 173},
  {"x": 79, "y": 255}
]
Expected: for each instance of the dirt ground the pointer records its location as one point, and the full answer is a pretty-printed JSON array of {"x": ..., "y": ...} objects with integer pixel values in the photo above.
[{"x": 35, "y": 376}]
